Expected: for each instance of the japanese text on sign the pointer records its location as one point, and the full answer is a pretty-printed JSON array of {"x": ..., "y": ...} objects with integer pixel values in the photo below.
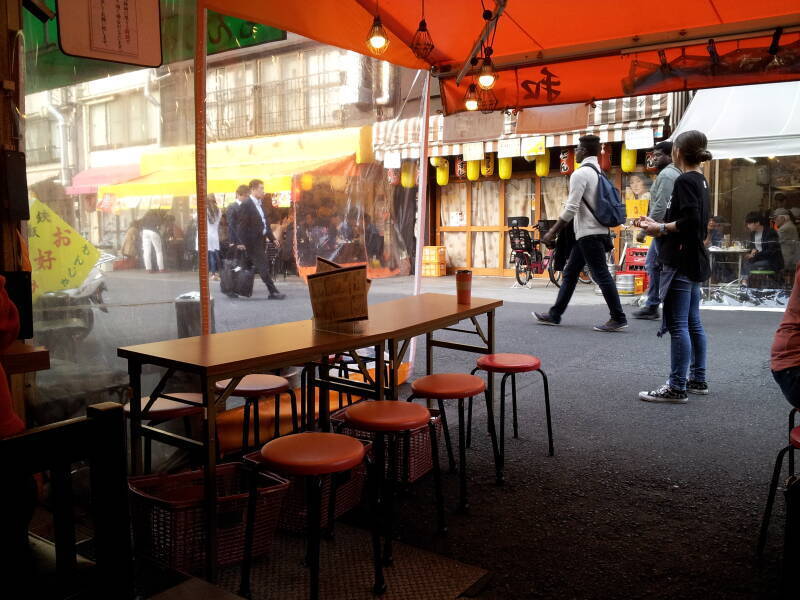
[{"x": 113, "y": 27}]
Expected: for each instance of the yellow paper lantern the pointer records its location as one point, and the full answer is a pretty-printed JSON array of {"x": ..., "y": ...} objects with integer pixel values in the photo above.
[
  {"x": 473, "y": 170},
  {"x": 408, "y": 174},
  {"x": 306, "y": 182},
  {"x": 543, "y": 164},
  {"x": 436, "y": 161},
  {"x": 487, "y": 165},
  {"x": 628, "y": 159},
  {"x": 443, "y": 172},
  {"x": 364, "y": 152},
  {"x": 504, "y": 168},
  {"x": 529, "y": 158}
]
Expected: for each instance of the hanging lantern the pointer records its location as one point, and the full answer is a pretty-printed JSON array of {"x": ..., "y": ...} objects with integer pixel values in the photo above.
[
  {"x": 473, "y": 170},
  {"x": 487, "y": 76},
  {"x": 421, "y": 43},
  {"x": 543, "y": 164},
  {"x": 566, "y": 161},
  {"x": 605, "y": 157},
  {"x": 393, "y": 176},
  {"x": 377, "y": 38},
  {"x": 306, "y": 182},
  {"x": 650, "y": 162},
  {"x": 443, "y": 172},
  {"x": 408, "y": 174},
  {"x": 529, "y": 158},
  {"x": 487, "y": 165},
  {"x": 436, "y": 160},
  {"x": 471, "y": 97},
  {"x": 628, "y": 159},
  {"x": 461, "y": 168},
  {"x": 504, "y": 168}
]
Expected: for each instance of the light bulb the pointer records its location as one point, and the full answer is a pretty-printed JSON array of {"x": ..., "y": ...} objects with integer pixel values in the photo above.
[
  {"x": 471, "y": 104},
  {"x": 487, "y": 75},
  {"x": 471, "y": 97},
  {"x": 377, "y": 41}
]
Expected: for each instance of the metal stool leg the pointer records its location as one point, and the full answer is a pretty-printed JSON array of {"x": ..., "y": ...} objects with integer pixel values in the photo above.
[
  {"x": 462, "y": 459},
  {"x": 437, "y": 477},
  {"x": 277, "y": 416},
  {"x": 547, "y": 413},
  {"x": 314, "y": 490},
  {"x": 514, "y": 404},
  {"x": 503, "y": 414},
  {"x": 244, "y": 582},
  {"x": 389, "y": 487},
  {"x": 376, "y": 484},
  {"x": 293, "y": 399},
  {"x": 256, "y": 422},
  {"x": 450, "y": 457},
  {"x": 330, "y": 529},
  {"x": 246, "y": 425},
  {"x": 498, "y": 457},
  {"x": 773, "y": 486},
  {"x": 303, "y": 399},
  {"x": 469, "y": 423}
]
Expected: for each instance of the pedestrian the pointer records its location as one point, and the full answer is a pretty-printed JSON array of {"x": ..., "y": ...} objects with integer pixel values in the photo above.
[
  {"x": 151, "y": 240},
  {"x": 242, "y": 194},
  {"x": 592, "y": 240},
  {"x": 659, "y": 198},
  {"x": 785, "y": 361},
  {"x": 213, "y": 217},
  {"x": 252, "y": 233},
  {"x": 765, "y": 249},
  {"x": 684, "y": 266},
  {"x": 787, "y": 237}
]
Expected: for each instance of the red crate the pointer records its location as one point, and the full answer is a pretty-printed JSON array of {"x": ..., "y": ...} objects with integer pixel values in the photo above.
[{"x": 635, "y": 259}]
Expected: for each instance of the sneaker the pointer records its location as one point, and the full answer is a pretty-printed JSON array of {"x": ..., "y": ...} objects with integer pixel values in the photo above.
[
  {"x": 277, "y": 296},
  {"x": 544, "y": 319},
  {"x": 232, "y": 295},
  {"x": 697, "y": 387},
  {"x": 648, "y": 312},
  {"x": 665, "y": 394},
  {"x": 611, "y": 326}
]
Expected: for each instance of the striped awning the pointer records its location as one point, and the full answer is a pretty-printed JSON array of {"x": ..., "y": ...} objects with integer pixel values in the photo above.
[{"x": 609, "y": 119}]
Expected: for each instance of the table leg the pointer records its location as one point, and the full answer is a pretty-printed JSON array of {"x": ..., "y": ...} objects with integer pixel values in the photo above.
[
  {"x": 210, "y": 475},
  {"x": 324, "y": 393},
  {"x": 380, "y": 367},
  {"x": 393, "y": 367},
  {"x": 428, "y": 353},
  {"x": 498, "y": 458},
  {"x": 135, "y": 376}
]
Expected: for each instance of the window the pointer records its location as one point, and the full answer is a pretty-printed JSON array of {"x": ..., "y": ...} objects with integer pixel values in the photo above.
[
  {"x": 230, "y": 103},
  {"x": 129, "y": 120},
  {"x": 41, "y": 141}
]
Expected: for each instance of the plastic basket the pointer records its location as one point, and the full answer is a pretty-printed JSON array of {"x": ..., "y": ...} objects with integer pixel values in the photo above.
[
  {"x": 420, "y": 460},
  {"x": 349, "y": 492},
  {"x": 170, "y": 524}
]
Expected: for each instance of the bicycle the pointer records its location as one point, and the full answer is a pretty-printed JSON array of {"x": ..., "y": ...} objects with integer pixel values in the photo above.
[{"x": 527, "y": 257}]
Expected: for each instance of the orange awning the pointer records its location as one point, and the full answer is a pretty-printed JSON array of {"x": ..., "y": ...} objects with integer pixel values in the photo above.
[{"x": 551, "y": 52}]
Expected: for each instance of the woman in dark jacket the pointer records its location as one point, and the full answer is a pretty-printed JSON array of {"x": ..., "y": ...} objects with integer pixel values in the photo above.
[{"x": 685, "y": 266}]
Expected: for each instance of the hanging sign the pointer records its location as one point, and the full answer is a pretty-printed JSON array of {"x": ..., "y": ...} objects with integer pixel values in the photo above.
[
  {"x": 533, "y": 146},
  {"x": 125, "y": 31},
  {"x": 636, "y": 139},
  {"x": 472, "y": 127},
  {"x": 392, "y": 160},
  {"x": 508, "y": 148},
  {"x": 473, "y": 151}
]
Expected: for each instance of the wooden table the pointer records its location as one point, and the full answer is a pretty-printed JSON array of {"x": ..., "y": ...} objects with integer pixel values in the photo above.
[
  {"x": 234, "y": 354},
  {"x": 20, "y": 358}
]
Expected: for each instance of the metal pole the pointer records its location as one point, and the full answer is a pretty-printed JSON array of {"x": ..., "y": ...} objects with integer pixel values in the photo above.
[
  {"x": 200, "y": 160},
  {"x": 422, "y": 198}
]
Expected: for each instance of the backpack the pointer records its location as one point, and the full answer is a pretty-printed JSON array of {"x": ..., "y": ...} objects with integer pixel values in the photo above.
[{"x": 610, "y": 209}]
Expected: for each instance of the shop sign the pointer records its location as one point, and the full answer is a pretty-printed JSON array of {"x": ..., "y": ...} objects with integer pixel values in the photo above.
[
  {"x": 471, "y": 127},
  {"x": 636, "y": 139},
  {"x": 508, "y": 148},
  {"x": 533, "y": 146},
  {"x": 473, "y": 151},
  {"x": 392, "y": 160}
]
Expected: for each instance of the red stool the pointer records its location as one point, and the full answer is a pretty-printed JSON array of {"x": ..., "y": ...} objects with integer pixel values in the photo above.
[
  {"x": 391, "y": 418},
  {"x": 510, "y": 365},
  {"x": 166, "y": 408},
  {"x": 311, "y": 455},
  {"x": 458, "y": 386},
  {"x": 794, "y": 443},
  {"x": 251, "y": 388}
]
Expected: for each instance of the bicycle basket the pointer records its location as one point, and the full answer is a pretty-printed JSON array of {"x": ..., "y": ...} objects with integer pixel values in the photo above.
[{"x": 520, "y": 240}]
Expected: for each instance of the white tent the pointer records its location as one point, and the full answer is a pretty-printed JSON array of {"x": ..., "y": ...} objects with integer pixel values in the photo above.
[{"x": 747, "y": 121}]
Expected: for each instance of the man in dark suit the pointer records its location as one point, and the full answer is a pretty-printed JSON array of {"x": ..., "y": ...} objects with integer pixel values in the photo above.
[
  {"x": 252, "y": 231},
  {"x": 242, "y": 194},
  {"x": 765, "y": 247}
]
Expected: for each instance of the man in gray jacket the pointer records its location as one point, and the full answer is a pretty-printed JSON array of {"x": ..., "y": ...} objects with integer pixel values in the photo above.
[
  {"x": 659, "y": 199},
  {"x": 592, "y": 240}
]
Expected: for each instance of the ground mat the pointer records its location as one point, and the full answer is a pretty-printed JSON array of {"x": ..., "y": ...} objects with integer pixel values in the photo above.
[{"x": 346, "y": 571}]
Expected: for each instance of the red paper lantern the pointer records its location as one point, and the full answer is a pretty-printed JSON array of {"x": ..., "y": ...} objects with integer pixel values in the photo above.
[
  {"x": 393, "y": 176},
  {"x": 566, "y": 161},
  {"x": 605, "y": 158},
  {"x": 650, "y": 162},
  {"x": 461, "y": 168}
]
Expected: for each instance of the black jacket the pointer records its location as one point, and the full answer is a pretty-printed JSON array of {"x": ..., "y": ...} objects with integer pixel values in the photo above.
[
  {"x": 230, "y": 217},
  {"x": 688, "y": 207},
  {"x": 249, "y": 226},
  {"x": 770, "y": 248}
]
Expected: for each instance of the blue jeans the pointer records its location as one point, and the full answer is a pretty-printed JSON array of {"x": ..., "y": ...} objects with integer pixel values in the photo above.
[
  {"x": 688, "y": 338},
  {"x": 589, "y": 250},
  {"x": 213, "y": 261},
  {"x": 653, "y": 268},
  {"x": 789, "y": 382}
]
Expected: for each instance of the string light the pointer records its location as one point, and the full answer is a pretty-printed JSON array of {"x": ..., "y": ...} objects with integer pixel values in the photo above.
[
  {"x": 377, "y": 38},
  {"x": 487, "y": 75},
  {"x": 471, "y": 97}
]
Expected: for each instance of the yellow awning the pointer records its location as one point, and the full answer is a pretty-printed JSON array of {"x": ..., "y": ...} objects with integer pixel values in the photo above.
[{"x": 171, "y": 172}]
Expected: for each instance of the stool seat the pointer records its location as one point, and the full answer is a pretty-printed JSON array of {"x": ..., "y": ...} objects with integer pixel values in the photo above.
[
  {"x": 509, "y": 363},
  {"x": 794, "y": 437},
  {"x": 448, "y": 386},
  {"x": 387, "y": 415},
  {"x": 313, "y": 453},
  {"x": 256, "y": 384},
  {"x": 164, "y": 409}
]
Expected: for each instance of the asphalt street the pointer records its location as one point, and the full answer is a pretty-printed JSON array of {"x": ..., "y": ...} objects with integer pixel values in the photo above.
[{"x": 640, "y": 500}]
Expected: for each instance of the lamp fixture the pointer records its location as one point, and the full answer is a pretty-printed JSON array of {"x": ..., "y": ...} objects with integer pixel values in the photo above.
[
  {"x": 487, "y": 101},
  {"x": 422, "y": 43},
  {"x": 487, "y": 75},
  {"x": 377, "y": 38},
  {"x": 471, "y": 97}
]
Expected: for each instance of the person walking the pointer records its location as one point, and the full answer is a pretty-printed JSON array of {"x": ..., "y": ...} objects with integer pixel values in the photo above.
[
  {"x": 685, "y": 265},
  {"x": 242, "y": 194},
  {"x": 213, "y": 217},
  {"x": 253, "y": 231},
  {"x": 785, "y": 354},
  {"x": 151, "y": 239},
  {"x": 787, "y": 238},
  {"x": 659, "y": 198},
  {"x": 592, "y": 241}
]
